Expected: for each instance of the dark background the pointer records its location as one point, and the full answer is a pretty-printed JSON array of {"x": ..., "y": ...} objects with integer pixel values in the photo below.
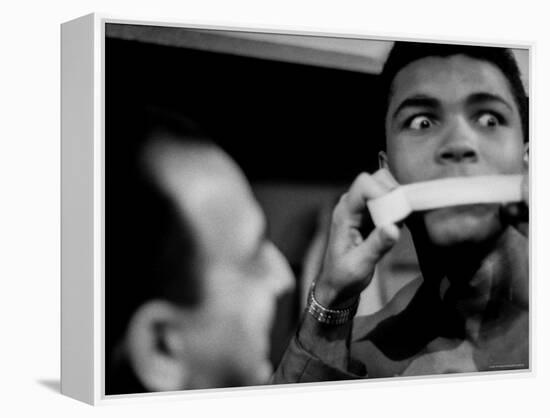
[{"x": 279, "y": 121}]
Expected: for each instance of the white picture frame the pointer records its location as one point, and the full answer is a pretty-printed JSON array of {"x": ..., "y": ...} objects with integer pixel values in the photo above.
[{"x": 83, "y": 179}]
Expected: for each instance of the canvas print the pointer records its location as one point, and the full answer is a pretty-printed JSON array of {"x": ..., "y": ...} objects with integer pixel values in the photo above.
[{"x": 286, "y": 208}]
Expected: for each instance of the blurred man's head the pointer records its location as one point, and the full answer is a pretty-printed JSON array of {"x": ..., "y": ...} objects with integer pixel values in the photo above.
[
  {"x": 454, "y": 110},
  {"x": 192, "y": 245}
]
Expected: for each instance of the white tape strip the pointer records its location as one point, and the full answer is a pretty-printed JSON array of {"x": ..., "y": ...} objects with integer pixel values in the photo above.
[{"x": 403, "y": 200}]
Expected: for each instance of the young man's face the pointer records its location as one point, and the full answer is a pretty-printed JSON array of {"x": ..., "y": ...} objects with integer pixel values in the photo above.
[{"x": 453, "y": 116}]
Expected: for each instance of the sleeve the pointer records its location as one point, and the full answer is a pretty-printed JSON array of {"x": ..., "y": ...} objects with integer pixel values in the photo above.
[{"x": 318, "y": 353}]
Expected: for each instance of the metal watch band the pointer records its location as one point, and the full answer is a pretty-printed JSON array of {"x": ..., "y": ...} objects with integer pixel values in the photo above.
[{"x": 330, "y": 316}]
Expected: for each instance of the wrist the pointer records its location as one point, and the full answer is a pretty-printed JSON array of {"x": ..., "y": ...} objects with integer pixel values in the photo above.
[
  {"x": 332, "y": 297},
  {"x": 333, "y": 314}
]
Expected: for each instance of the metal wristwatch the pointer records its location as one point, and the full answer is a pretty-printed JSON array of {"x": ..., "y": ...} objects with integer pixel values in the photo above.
[{"x": 330, "y": 316}]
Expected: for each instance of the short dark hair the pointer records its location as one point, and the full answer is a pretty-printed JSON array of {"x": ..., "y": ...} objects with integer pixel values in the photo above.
[
  {"x": 150, "y": 250},
  {"x": 403, "y": 53}
]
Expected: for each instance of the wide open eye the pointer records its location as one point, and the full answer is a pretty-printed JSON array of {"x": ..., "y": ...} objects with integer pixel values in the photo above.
[
  {"x": 419, "y": 122},
  {"x": 488, "y": 120}
]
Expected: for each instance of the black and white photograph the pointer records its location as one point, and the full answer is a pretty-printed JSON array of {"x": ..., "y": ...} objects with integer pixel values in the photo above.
[
  {"x": 286, "y": 207},
  {"x": 275, "y": 209}
]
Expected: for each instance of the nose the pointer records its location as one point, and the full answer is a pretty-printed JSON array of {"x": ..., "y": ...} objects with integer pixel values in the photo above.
[
  {"x": 282, "y": 278},
  {"x": 458, "y": 145}
]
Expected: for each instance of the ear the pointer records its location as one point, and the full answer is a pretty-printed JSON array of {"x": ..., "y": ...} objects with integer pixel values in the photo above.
[
  {"x": 526, "y": 156},
  {"x": 156, "y": 347},
  {"x": 383, "y": 160}
]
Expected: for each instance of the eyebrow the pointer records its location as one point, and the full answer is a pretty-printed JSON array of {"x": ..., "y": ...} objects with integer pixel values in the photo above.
[
  {"x": 483, "y": 97},
  {"x": 419, "y": 100},
  {"x": 422, "y": 100}
]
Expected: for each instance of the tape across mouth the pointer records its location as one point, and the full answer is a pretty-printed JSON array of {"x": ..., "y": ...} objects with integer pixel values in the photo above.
[{"x": 400, "y": 202}]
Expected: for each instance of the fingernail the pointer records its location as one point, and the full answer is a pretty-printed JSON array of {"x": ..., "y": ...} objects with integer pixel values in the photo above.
[{"x": 391, "y": 233}]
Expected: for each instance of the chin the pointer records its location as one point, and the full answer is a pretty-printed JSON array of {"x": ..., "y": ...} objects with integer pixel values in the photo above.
[{"x": 472, "y": 224}]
